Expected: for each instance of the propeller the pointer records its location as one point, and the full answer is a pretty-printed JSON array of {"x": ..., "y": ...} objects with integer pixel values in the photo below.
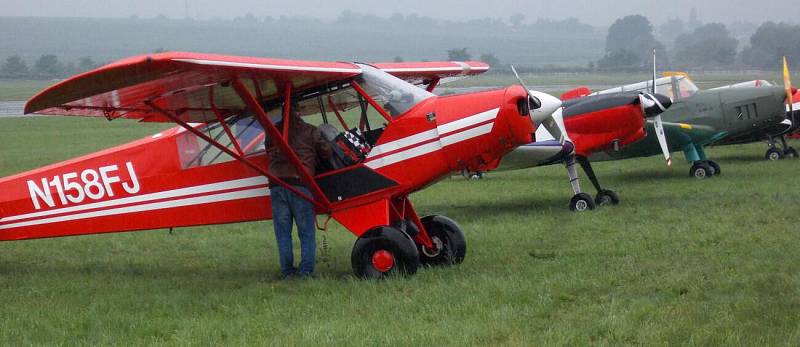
[
  {"x": 553, "y": 124},
  {"x": 787, "y": 85},
  {"x": 657, "y": 123}
]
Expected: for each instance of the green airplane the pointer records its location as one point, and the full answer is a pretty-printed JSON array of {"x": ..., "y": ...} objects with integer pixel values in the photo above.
[{"x": 699, "y": 118}]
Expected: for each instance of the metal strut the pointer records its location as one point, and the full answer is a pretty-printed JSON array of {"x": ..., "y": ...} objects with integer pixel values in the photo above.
[
  {"x": 587, "y": 168},
  {"x": 233, "y": 154},
  {"x": 280, "y": 141},
  {"x": 573, "y": 174}
]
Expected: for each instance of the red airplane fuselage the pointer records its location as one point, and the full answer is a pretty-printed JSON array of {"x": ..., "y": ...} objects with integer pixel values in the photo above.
[{"x": 148, "y": 184}]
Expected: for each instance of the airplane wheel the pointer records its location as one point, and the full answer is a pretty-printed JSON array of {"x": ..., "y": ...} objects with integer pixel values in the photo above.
[
  {"x": 476, "y": 176},
  {"x": 790, "y": 152},
  {"x": 701, "y": 170},
  {"x": 448, "y": 239},
  {"x": 774, "y": 154},
  {"x": 715, "y": 167},
  {"x": 606, "y": 197},
  {"x": 384, "y": 251},
  {"x": 581, "y": 202}
]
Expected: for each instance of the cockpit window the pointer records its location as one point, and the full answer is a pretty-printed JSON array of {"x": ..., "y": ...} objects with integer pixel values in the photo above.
[
  {"x": 395, "y": 95},
  {"x": 675, "y": 87}
]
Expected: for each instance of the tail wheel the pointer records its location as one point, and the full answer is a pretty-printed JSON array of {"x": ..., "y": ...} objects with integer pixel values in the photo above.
[
  {"x": 384, "y": 251},
  {"x": 790, "y": 152},
  {"x": 449, "y": 244}
]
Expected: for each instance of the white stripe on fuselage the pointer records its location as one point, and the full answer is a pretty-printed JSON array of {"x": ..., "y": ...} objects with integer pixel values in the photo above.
[
  {"x": 198, "y": 200},
  {"x": 201, "y": 189},
  {"x": 448, "y": 134}
]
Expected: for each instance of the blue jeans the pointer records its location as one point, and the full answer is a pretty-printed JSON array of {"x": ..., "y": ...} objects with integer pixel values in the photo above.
[{"x": 285, "y": 207}]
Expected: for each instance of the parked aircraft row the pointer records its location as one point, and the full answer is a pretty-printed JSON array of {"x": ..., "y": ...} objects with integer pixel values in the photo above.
[{"x": 392, "y": 137}]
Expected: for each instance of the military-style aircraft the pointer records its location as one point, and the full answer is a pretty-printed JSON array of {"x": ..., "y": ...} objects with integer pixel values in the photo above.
[
  {"x": 699, "y": 118},
  {"x": 775, "y": 133},
  {"x": 391, "y": 138}
]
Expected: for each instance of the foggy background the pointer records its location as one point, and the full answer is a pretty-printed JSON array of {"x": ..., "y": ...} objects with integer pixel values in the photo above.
[
  {"x": 54, "y": 39},
  {"x": 594, "y": 12}
]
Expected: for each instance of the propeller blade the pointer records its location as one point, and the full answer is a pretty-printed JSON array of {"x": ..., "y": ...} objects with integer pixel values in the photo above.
[
  {"x": 657, "y": 124},
  {"x": 662, "y": 139},
  {"x": 553, "y": 124},
  {"x": 653, "y": 89},
  {"x": 787, "y": 85}
]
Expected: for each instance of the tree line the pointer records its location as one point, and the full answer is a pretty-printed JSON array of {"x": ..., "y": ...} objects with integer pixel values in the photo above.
[
  {"x": 630, "y": 42},
  {"x": 47, "y": 66}
]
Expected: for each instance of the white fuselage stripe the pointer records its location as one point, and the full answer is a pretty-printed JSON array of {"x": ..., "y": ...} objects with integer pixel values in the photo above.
[
  {"x": 198, "y": 200},
  {"x": 201, "y": 189},
  {"x": 466, "y": 135},
  {"x": 404, "y": 142},
  {"x": 451, "y": 133},
  {"x": 407, "y": 154},
  {"x": 467, "y": 121},
  {"x": 268, "y": 66}
]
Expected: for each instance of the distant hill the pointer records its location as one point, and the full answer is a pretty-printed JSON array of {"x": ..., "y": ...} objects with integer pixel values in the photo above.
[{"x": 351, "y": 37}]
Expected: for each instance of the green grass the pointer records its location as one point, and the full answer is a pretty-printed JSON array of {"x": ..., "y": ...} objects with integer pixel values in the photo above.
[
  {"x": 16, "y": 90},
  {"x": 679, "y": 262}
]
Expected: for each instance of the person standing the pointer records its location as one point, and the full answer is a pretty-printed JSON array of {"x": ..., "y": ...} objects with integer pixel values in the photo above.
[{"x": 306, "y": 141}]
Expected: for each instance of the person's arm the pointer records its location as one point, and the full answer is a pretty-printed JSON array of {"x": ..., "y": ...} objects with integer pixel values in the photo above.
[{"x": 322, "y": 146}]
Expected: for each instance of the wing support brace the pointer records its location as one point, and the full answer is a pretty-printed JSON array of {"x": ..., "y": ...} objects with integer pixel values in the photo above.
[
  {"x": 281, "y": 142},
  {"x": 233, "y": 154}
]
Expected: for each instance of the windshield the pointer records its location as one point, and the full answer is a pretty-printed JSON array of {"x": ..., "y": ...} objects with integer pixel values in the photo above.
[
  {"x": 395, "y": 95},
  {"x": 675, "y": 87}
]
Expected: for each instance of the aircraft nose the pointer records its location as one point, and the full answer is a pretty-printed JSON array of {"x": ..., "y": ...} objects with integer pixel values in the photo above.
[
  {"x": 549, "y": 105},
  {"x": 655, "y": 104}
]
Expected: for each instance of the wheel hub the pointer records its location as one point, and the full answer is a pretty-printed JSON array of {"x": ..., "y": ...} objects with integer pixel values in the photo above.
[
  {"x": 437, "y": 248},
  {"x": 581, "y": 205},
  {"x": 700, "y": 173},
  {"x": 382, "y": 260}
]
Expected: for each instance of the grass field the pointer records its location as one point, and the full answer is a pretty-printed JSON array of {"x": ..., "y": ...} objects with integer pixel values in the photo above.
[
  {"x": 679, "y": 262},
  {"x": 16, "y": 90}
]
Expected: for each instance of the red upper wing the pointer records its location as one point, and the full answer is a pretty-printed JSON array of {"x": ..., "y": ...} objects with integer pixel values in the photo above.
[
  {"x": 184, "y": 83},
  {"x": 425, "y": 72}
]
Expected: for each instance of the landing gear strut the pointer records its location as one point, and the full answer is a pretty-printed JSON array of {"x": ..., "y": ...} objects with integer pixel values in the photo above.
[
  {"x": 580, "y": 202},
  {"x": 604, "y": 196},
  {"x": 776, "y": 153}
]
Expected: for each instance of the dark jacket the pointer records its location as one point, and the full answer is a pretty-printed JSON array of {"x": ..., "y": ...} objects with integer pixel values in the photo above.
[{"x": 306, "y": 142}]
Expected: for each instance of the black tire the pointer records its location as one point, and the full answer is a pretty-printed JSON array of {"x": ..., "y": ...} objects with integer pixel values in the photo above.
[
  {"x": 701, "y": 170},
  {"x": 449, "y": 239},
  {"x": 790, "y": 152},
  {"x": 774, "y": 154},
  {"x": 581, "y": 202},
  {"x": 714, "y": 166},
  {"x": 381, "y": 242},
  {"x": 606, "y": 197}
]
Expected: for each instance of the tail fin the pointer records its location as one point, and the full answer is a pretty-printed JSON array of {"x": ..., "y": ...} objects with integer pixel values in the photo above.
[{"x": 576, "y": 93}]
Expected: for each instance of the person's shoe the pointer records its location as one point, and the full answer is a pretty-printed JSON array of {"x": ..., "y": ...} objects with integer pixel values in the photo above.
[{"x": 305, "y": 275}]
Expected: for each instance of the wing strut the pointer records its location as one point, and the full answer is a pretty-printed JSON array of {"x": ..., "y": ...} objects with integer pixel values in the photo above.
[
  {"x": 242, "y": 159},
  {"x": 280, "y": 141}
]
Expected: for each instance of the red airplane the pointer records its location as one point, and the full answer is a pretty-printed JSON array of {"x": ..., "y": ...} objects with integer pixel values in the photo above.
[
  {"x": 391, "y": 138},
  {"x": 591, "y": 124}
]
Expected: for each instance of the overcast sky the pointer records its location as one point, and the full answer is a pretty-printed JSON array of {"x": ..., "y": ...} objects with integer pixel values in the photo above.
[{"x": 596, "y": 12}]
